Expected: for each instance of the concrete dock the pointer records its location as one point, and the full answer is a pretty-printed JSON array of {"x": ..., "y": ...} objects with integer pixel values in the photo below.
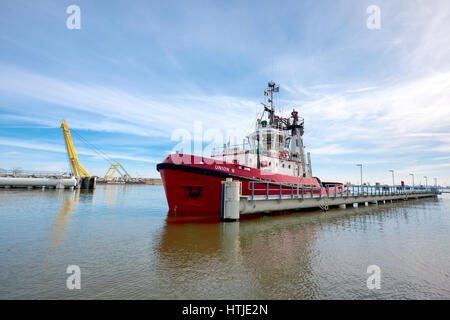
[
  {"x": 235, "y": 204},
  {"x": 44, "y": 181},
  {"x": 33, "y": 182},
  {"x": 246, "y": 205}
]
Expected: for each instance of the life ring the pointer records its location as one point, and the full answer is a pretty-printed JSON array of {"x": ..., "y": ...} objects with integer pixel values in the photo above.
[{"x": 283, "y": 155}]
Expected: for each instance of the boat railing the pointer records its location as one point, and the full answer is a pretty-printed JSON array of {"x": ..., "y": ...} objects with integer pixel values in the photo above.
[
  {"x": 218, "y": 151},
  {"x": 20, "y": 173},
  {"x": 237, "y": 149},
  {"x": 273, "y": 190}
]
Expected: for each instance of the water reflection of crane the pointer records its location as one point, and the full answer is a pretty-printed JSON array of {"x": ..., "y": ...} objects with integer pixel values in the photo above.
[
  {"x": 59, "y": 228},
  {"x": 76, "y": 166},
  {"x": 110, "y": 195}
]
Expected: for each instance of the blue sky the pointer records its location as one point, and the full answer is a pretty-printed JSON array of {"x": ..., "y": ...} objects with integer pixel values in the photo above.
[{"x": 138, "y": 71}]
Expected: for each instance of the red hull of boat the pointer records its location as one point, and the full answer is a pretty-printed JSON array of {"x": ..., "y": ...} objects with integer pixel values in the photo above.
[{"x": 193, "y": 184}]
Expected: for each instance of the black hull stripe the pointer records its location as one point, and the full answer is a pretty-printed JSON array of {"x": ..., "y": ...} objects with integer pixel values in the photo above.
[
  {"x": 194, "y": 169},
  {"x": 210, "y": 172}
]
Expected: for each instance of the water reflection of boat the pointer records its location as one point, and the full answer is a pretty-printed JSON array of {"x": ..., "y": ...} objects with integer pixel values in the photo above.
[
  {"x": 252, "y": 257},
  {"x": 271, "y": 257}
]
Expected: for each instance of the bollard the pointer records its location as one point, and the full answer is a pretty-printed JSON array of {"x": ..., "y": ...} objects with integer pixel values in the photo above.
[
  {"x": 84, "y": 184},
  {"x": 230, "y": 192},
  {"x": 92, "y": 182}
]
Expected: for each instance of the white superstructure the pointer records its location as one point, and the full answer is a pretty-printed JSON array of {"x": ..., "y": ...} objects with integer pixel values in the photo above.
[{"x": 275, "y": 146}]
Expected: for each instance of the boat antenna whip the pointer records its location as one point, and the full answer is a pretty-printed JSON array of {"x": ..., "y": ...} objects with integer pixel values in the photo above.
[{"x": 272, "y": 89}]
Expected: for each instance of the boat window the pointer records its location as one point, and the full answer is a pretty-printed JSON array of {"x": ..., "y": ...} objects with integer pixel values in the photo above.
[
  {"x": 269, "y": 141},
  {"x": 250, "y": 143},
  {"x": 280, "y": 140},
  {"x": 288, "y": 142}
]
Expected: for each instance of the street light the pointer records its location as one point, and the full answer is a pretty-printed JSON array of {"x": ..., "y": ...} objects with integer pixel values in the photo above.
[
  {"x": 412, "y": 175},
  {"x": 393, "y": 182},
  {"x": 360, "y": 165}
]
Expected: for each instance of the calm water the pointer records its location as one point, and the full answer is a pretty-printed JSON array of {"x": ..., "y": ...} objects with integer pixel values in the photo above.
[{"x": 120, "y": 239}]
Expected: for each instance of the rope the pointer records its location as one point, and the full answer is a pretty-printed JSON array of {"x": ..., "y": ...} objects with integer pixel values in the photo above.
[
  {"x": 101, "y": 153},
  {"x": 324, "y": 206}
]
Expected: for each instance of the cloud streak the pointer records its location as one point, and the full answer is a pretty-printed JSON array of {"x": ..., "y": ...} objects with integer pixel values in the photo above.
[
  {"x": 118, "y": 111},
  {"x": 37, "y": 145},
  {"x": 376, "y": 97}
]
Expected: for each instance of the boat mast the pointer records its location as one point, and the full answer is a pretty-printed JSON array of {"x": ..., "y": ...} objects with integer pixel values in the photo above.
[
  {"x": 271, "y": 117},
  {"x": 296, "y": 128},
  {"x": 271, "y": 85},
  {"x": 297, "y": 133}
]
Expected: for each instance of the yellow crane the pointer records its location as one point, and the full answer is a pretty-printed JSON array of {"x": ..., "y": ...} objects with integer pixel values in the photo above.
[
  {"x": 77, "y": 168},
  {"x": 111, "y": 169}
]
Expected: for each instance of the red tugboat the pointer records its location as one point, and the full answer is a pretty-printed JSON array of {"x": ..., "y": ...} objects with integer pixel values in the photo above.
[{"x": 271, "y": 159}]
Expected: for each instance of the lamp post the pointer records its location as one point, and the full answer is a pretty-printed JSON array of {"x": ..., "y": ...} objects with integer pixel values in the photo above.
[
  {"x": 360, "y": 165},
  {"x": 412, "y": 175},
  {"x": 393, "y": 182}
]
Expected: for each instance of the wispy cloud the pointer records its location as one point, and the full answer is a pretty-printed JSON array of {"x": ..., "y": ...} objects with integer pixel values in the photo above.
[
  {"x": 114, "y": 110},
  {"x": 381, "y": 97},
  {"x": 37, "y": 145}
]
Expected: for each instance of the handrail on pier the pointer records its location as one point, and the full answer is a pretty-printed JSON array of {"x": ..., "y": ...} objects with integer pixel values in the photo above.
[{"x": 275, "y": 190}]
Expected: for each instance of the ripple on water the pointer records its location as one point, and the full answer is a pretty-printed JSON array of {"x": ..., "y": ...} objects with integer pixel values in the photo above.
[{"x": 119, "y": 237}]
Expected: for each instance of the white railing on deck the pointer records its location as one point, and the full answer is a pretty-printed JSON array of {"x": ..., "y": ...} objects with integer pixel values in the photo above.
[{"x": 284, "y": 190}]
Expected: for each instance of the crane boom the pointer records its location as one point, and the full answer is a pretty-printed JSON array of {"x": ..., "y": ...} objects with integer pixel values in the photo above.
[
  {"x": 77, "y": 168},
  {"x": 109, "y": 174}
]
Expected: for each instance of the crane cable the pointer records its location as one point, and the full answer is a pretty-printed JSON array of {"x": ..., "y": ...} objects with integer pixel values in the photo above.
[{"x": 101, "y": 153}]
